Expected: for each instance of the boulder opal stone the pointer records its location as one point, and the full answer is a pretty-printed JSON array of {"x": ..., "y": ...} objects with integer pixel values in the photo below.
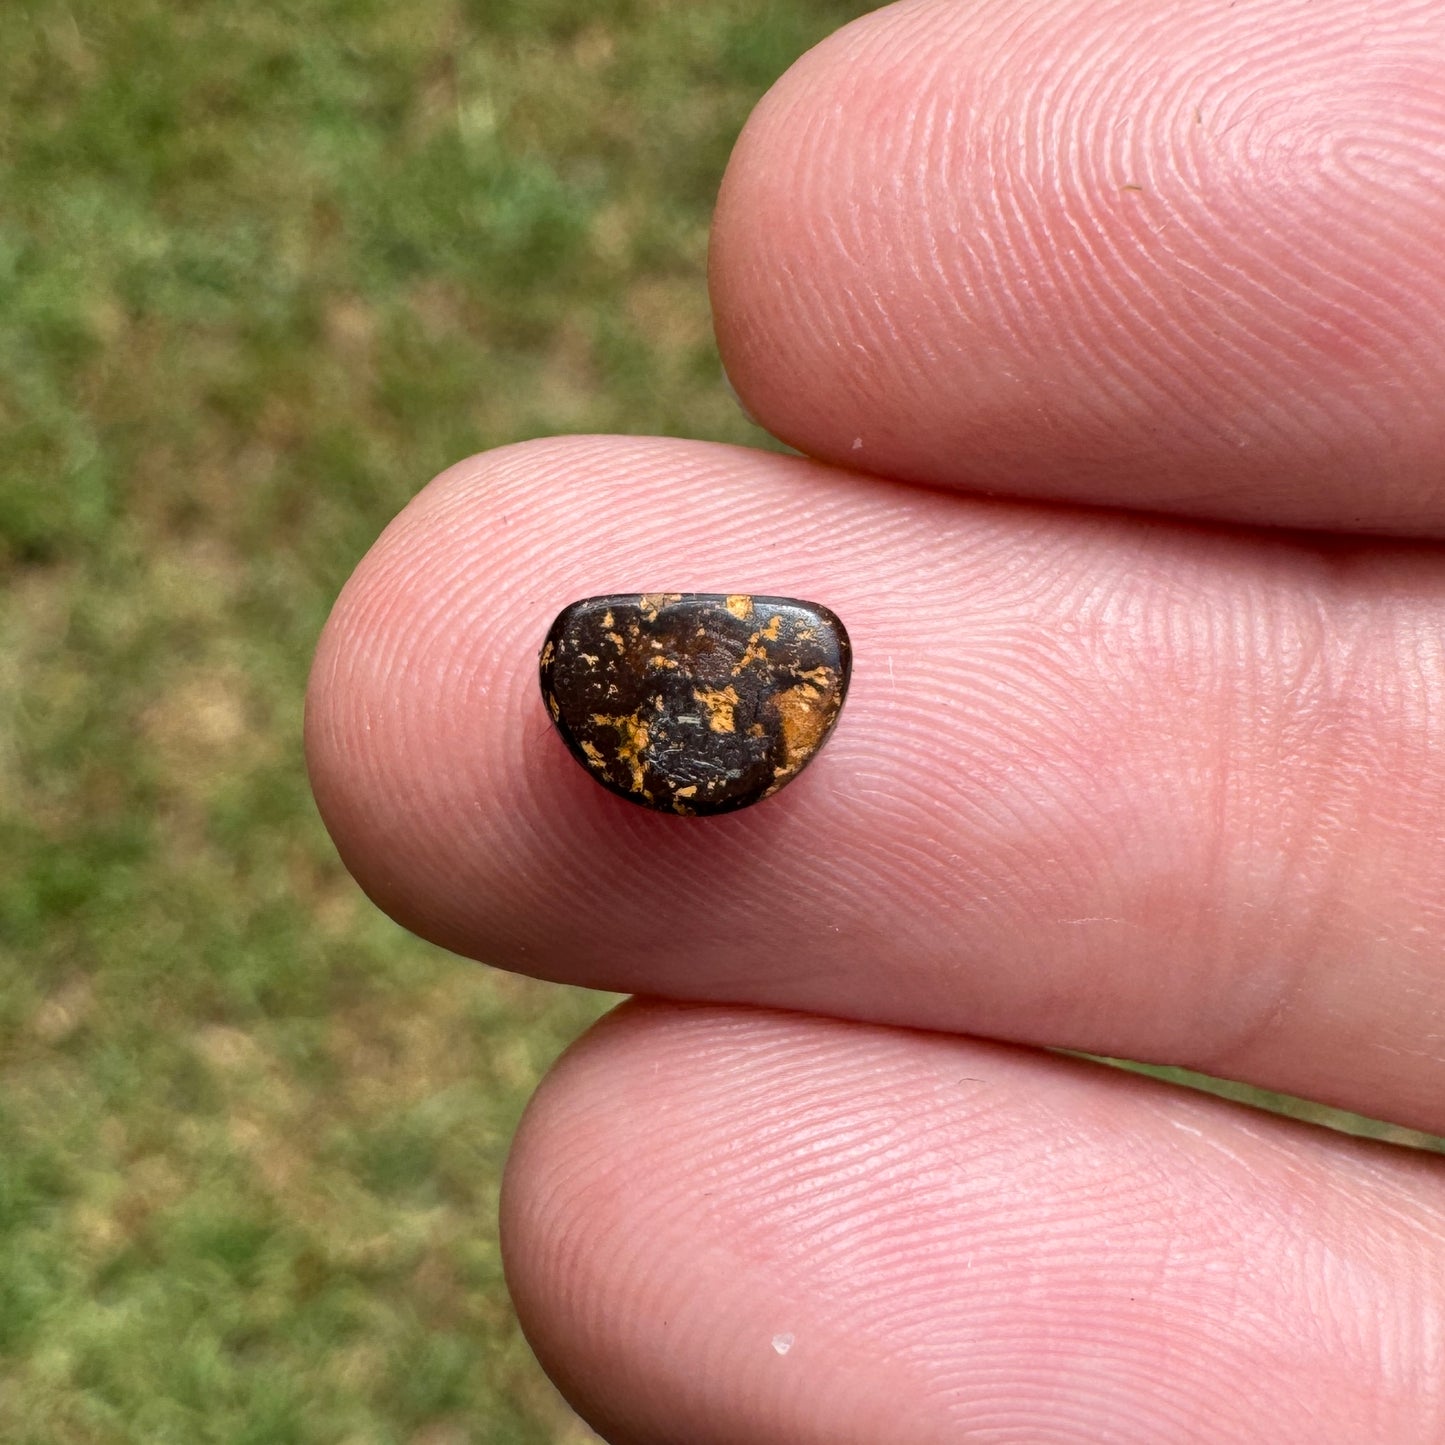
[{"x": 695, "y": 703}]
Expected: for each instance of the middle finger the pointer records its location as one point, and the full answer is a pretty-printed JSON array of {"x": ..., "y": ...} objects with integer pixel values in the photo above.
[{"x": 1120, "y": 785}]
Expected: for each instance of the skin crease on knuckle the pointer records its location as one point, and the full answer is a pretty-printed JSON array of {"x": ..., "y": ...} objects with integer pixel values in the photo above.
[
  {"x": 722, "y": 1225},
  {"x": 1173, "y": 256},
  {"x": 1077, "y": 746}
]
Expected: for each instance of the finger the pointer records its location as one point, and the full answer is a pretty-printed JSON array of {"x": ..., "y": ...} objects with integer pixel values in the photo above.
[
  {"x": 1144, "y": 254},
  {"x": 1123, "y": 786},
  {"x": 725, "y": 1226}
]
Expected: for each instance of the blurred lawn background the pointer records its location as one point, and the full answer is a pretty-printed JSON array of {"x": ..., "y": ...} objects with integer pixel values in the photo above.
[{"x": 263, "y": 271}]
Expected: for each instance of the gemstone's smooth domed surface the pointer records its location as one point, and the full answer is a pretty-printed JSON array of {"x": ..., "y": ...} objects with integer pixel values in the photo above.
[{"x": 695, "y": 702}]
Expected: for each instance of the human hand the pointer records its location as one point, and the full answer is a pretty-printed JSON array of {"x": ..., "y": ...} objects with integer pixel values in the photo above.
[{"x": 1163, "y": 787}]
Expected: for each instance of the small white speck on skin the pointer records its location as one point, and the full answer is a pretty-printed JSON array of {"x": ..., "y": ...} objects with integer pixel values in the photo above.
[
  {"x": 857, "y": 444},
  {"x": 782, "y": 1343}
]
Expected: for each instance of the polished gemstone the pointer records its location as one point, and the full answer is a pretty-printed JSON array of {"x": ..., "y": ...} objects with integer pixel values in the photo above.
[{"x": 695, "y": 702}]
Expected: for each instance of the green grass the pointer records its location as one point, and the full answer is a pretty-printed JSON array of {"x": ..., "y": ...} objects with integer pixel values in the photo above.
[{"x": 263, "y": 271}]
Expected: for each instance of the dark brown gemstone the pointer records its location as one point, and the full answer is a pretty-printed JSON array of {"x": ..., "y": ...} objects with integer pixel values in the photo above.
[{"x": 695, "y": 702}]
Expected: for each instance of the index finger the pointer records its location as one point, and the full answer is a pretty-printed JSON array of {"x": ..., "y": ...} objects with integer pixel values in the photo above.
[{"x": 1149, "y": 255}]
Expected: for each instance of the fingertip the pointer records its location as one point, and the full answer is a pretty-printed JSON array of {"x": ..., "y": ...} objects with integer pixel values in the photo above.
[
  {"x": 434, "y": 763},
  {"x": 1140, "y": 255},
  {"x": 724, "y": 1225},
  {"x": 653, "y": 1328}
]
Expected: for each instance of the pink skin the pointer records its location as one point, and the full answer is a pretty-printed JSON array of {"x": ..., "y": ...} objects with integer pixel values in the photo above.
[
  {"x": 957, "y": 1241},
  {"x": 1139, "y": 786},
  {"x": 1164, "y": 255},
  {"x": 1116, "y": 784}
]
